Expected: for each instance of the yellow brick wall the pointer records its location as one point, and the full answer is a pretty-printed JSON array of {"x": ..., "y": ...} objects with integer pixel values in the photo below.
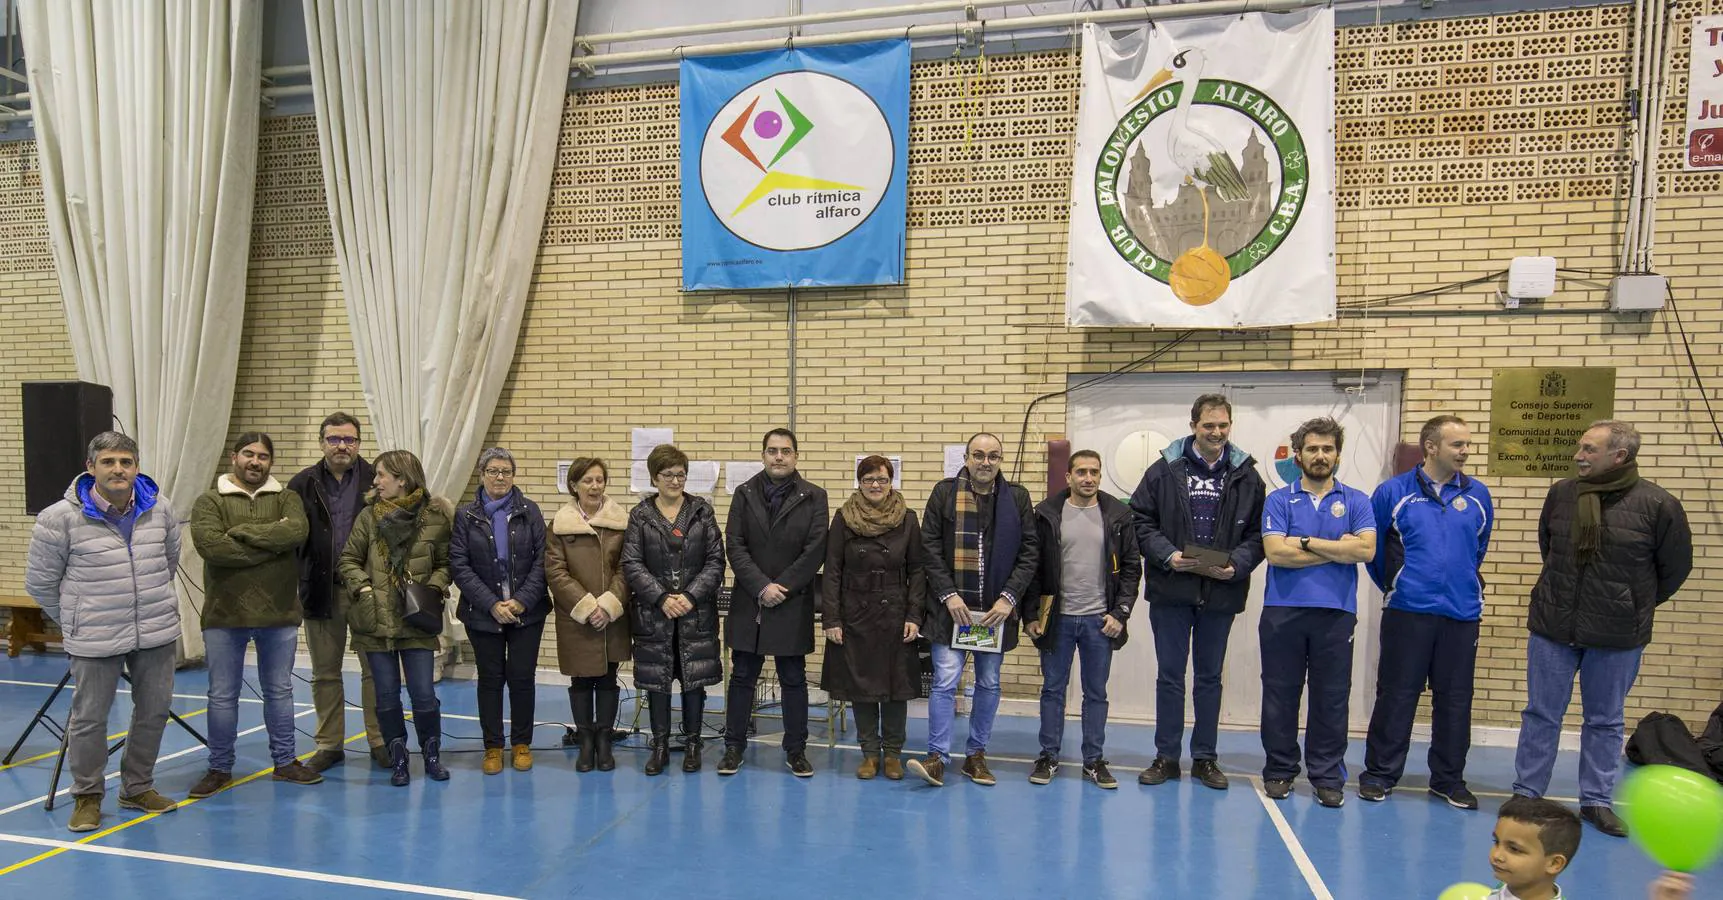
[{"x": 1461, "y": 143}]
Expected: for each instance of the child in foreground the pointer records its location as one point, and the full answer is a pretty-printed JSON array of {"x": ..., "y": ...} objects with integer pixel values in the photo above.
[{"x": 1535, "y": 839}]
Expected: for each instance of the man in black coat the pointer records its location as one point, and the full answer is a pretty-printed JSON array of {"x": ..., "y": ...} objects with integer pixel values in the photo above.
[
  {"x": 1614, "y": 547},
  {"x": 777, "y": 540},
  {"x": 979, "y": 535},
  {"x": 333, "y": 491},
  {"x": 1203, "y": 491}
]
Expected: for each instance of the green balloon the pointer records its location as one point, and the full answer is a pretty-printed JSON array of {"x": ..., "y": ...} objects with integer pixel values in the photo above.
[
  {"x": 1466, "y": 890},
  {"x": 1676, "y": 816}
]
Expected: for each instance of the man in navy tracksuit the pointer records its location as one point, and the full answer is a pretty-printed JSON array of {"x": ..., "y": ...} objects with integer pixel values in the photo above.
[{"x": 1435, "y": 527}]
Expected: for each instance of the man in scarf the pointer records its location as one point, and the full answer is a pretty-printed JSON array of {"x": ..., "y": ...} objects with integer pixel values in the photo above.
[
  {"x": 980, "y": 540},
  {"x": 1614, "y": 547},
  {"x": 776, "y": 536}
]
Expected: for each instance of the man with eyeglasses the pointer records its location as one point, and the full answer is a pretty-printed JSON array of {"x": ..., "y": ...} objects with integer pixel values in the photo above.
[
  {"x": 981, "y": 556},
  {"x": 333, "y": 492},
  {"x": 776, "y": 537}
]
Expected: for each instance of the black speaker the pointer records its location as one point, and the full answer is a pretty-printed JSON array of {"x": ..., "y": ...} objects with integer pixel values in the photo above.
[{"x": 60, "y": 419}]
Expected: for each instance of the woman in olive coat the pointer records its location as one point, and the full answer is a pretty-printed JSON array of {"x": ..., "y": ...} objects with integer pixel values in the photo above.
[{"x": 402, "y": 535}]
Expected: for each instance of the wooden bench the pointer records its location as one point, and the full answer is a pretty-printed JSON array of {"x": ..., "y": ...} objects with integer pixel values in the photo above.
[{"x": 28, "y": 626}]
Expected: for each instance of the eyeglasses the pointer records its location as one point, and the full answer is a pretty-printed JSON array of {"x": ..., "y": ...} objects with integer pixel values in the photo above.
[
  {"x": 876, "y": 482},
  {"x": 340, "y": 441},
  {"x": 499, "y": 473},
  {"x": 978, "y": 456},
  {"x": 673, "y": 476}
]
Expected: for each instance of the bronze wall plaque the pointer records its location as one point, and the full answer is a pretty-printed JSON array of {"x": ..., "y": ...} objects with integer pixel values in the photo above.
[{"x": 1538, "y": 415}]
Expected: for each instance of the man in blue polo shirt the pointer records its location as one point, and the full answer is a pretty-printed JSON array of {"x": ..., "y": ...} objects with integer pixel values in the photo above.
[
  {"x": 1315, "y": 532},
  {"x": 1435, "y": 524}
]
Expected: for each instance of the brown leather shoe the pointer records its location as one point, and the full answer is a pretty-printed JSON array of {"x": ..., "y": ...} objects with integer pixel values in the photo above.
[
  {"x": 869, "y": 767},
  {"x": 493, "y": 763},
  {"x": 296, "y": 773},
  {"x": 893, "y": 767},
  {"x": 324, "y": 760},
  {"x": 930, "y": 770},
  {"x": 975, "y": 766},
  {"x": 211, "y": 783},
  {"x": 522, "y": 757}
]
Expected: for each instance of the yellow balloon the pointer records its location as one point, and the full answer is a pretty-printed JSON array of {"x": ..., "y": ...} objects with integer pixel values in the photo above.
[{"x": 1466, "y": 890}]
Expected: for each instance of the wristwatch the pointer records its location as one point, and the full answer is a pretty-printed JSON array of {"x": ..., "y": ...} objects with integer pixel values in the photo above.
[{"x": 1304, "y": 544}]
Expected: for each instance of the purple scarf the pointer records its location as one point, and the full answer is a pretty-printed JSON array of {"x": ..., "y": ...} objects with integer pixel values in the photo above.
[{"x": 498, "y": 510}]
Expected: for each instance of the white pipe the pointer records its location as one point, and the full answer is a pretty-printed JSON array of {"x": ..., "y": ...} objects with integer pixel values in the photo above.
[
  {"x": 275, "y": 71},
  {"x": 1635, "y": 142},
  {"x": 957, "y": 29},
  {"x": 1660, "y": 92},
  {"x": 795, "y": 21}
]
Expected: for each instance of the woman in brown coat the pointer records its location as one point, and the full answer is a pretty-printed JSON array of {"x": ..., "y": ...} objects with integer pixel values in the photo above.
[
  {"x": 872, "y": 606},
  {"x": 586, "y": 587}
]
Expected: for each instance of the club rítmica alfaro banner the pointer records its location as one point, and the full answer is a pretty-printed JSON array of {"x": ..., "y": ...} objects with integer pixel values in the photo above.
[
  {"x": 1202, "y": 194},
  {"x": 795, "y": 167}
]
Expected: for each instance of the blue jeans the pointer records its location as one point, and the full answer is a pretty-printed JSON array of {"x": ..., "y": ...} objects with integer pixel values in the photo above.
[
  {"x": 386, "y": 671},
  {"x": 942, "y": 703},
  {"x": 1188, "y": 635},
  {"x": 1079, "y": 635},
  {"x": 224, "y": 653},
  {"x": 1605, "y": 677}
]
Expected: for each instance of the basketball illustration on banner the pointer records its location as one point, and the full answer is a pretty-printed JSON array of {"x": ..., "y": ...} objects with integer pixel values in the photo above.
[{"x": 1199, "y": 276}]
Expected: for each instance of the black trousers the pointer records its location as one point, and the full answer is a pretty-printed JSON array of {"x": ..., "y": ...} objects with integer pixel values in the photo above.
[
  {"x": 739, "y": 702},
  {"x": 1420, "y": 648},
  {"x": 1298, "y": 642},
  {"x": 508, "y": 658}
]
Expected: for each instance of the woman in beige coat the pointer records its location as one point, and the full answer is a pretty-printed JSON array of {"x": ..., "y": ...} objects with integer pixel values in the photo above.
[{"x": 586, "y": 587}]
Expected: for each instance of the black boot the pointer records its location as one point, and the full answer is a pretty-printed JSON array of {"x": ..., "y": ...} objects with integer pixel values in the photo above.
[
  {"x": 580, "y": 699},
  {"x": 430, "y": 728},
  {"x": 693, "y": 712},
  {"x": 605, "y": 722},
  {"x": 400, "y": 777},
  {"x": 658, "y": 711}
]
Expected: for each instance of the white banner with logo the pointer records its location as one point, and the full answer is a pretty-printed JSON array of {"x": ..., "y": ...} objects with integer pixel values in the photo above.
[{"x": 1203, "y": 188}]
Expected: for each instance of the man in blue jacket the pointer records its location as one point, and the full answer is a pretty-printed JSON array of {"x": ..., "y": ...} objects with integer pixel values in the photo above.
[
  {"x": 1203, "y": 491},
  {"x": 1435, "y": 527}
]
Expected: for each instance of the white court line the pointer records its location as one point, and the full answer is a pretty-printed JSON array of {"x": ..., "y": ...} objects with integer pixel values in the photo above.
[
  {"x": 73, "y": 684},
  {"x": 320, "y": 877},
  {"x": 159, "y": 760},
  {"x": 1305, "y": 866}
]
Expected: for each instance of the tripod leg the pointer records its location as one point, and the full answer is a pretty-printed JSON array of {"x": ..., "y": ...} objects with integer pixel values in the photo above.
[
  {"x": 37, "y": 718},
  {"x": 59, "y": 764}
]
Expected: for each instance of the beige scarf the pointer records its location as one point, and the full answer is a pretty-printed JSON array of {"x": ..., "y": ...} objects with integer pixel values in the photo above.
[{"x": 870, "y": 520}]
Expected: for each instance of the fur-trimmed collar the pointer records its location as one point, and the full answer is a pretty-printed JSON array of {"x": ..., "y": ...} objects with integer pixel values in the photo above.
[
  {"x": 226, "y": 485},
  {"x": 570, "y": 521}
]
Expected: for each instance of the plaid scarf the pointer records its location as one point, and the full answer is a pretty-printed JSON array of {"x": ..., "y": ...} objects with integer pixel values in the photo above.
[
  {"x": 980, "y": 571},
  {"x": 397, "y": 525}
]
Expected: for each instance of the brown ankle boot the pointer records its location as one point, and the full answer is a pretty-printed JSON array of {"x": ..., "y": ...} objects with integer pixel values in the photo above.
[
  {"x": 893, "y": 766},
  {"x": 976, "y": 768},
  {"x": 931, "y": 769},
  {"x": 869, "y": 767}
]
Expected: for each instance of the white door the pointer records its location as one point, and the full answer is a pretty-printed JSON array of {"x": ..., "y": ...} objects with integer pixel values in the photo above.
[{"x": 1132, "y": 419}]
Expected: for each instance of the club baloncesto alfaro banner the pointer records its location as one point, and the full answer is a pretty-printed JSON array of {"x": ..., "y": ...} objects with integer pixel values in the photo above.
[
  {"x": 795, "y": 167},
  {"x": 1202, "y": 191}
]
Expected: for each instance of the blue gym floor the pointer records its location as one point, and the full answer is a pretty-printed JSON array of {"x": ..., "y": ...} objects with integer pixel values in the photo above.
[{"x": 763, "y": 833}]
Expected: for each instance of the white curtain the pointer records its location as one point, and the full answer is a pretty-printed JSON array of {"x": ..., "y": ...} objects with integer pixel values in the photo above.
[
  {"x": 437, "y": 123},
  {"x": 146, "y": 126}
]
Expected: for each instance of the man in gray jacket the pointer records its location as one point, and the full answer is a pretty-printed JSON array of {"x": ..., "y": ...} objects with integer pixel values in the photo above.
[{"x": 102, "y": 565}]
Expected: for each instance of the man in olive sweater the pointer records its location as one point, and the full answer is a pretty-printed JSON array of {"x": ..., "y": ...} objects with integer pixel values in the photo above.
[{"x": 248, "y": 530}]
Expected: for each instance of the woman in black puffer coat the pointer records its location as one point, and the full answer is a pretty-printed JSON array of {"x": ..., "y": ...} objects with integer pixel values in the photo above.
[{"x": 673, "y": 559}]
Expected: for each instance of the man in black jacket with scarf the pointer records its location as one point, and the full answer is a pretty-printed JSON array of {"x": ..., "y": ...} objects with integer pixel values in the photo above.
[
  {"x": 1203, "y": 491},
  {"x": 1089, "y": 575},
  {"x": 776, "y": 536},
  {"x": 1615, "y": 547},
  {"x": 979, "y": 535},
  {"x": 333, "y": 491}
]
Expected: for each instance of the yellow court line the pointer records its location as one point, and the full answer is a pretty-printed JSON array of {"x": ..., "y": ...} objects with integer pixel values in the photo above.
[
  {"x": 148, "y": 816},
  {"x": 112, "y": 737}
]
